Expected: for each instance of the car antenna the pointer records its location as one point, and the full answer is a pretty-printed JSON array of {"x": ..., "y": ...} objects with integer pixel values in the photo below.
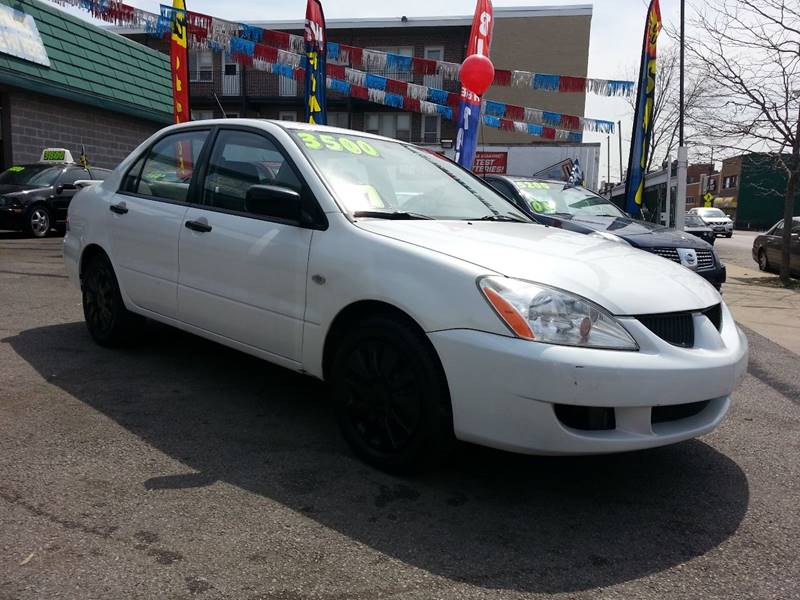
[{"x": 224, "y": 116}]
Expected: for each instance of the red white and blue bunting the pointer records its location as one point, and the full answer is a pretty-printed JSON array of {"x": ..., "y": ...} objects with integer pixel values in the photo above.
[{"x": 211, "y": 32}]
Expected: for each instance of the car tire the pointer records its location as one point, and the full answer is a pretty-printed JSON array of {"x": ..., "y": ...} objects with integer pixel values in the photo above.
[
  {"x": 763, "y": 261},
  {"x": 392, "y": 399},
  {"x": 38, "y": 222},
  {"x": 728, "y": 235},
  {"x": 110, "y": 324}
]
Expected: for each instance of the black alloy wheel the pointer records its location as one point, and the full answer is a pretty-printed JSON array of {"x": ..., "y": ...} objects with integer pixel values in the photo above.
[
  {"x": 393, "y": 404},
  {"x": 107, "y": 319},
  {"x": 39, "y": 222}
]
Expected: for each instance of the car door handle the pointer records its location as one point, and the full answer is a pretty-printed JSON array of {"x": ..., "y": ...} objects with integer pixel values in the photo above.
[
  {"x": 198, "y": 226},
  {"x": 119, "y": 209}
]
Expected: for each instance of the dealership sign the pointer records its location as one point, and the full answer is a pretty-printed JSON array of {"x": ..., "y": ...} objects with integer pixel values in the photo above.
[
  {"x": 20, "y": 37},
  {"x": 490, "y": 163}
]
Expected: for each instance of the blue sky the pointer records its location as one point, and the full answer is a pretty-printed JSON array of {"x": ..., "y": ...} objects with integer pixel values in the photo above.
[{"x": 617, "y": 28}]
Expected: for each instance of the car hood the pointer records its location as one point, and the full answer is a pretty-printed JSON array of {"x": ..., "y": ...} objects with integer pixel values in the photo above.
[
  {"x": 639, "y": 233},
  {"x": 622, "y": 279}
]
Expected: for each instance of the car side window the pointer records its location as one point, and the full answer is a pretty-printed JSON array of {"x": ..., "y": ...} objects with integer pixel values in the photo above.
[
  {"x": 168, "y": 169},
  {"x": 73, "y": 175},
  {"x": 778, "y": 229},
  {"x": 240, "y": 160}
]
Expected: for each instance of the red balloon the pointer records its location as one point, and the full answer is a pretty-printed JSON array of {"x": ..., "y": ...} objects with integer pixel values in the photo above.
[{"x": 477, "y": 73}]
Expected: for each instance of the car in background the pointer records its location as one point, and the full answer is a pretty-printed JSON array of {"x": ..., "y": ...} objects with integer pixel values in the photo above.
[
  {"x": 434, "y": 308},
  {"x": 34, "y": 197},
  {"x": 768, "y": 248},
  {"x": 716, "y": 219},
  {"x": 695, "y": 225},
  {"x": 577, "y": 209}
]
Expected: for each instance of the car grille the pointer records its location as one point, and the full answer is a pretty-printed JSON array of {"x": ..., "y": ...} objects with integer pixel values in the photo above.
[
  {"x": 678, "y": 328},
  {"x": 705, "y": 258},
  {"x": 665, "y": 414}
]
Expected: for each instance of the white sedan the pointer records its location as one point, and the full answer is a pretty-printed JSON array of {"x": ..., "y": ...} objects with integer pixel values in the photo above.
[{"x": 435, "y": 309}]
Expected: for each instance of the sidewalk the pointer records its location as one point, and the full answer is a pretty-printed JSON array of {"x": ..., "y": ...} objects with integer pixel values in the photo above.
[{"x": 758, "y": 301}]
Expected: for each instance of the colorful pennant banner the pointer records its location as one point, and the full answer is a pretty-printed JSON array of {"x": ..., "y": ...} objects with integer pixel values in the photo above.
[{"x": 210, "y": 32}]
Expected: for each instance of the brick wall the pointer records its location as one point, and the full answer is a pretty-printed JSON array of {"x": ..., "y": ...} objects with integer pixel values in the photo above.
[{"x": 39, "y": 121}]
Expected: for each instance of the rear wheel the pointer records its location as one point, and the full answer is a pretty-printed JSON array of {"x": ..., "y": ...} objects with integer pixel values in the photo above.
[
  {"x": 39, "y": 222},
  {"x": 393, "y": 404},
  {"x": 763, "y": 261},
  {"x": 109, "y": 322}
]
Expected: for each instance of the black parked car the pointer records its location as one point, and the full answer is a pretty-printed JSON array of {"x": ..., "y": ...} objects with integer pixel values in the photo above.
[
  {"x": 578, "y": 209},
  {"x": 768, "y": 248},
  {"x": 696, "y": 226},
  {"x": 34, "y": 197}
]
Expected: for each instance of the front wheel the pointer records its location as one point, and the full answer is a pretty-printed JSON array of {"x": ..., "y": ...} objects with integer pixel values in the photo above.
[
  {"x": 39, "y": 222},
  {"x": 109, "y": 322},
  {"x": 763, "y": 261},
  {"x": 393, "y": 403}
]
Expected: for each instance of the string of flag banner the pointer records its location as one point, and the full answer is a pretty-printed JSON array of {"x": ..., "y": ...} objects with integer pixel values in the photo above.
[
  {"x": 416, "y": 105},
  {"x": 218, "y": 34},
  {"x": 246, "y": 51}
]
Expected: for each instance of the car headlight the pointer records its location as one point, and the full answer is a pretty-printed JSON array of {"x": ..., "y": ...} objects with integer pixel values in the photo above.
[
  {"x": 609, "y": 237},
  {"x": 543, "y": 314}
]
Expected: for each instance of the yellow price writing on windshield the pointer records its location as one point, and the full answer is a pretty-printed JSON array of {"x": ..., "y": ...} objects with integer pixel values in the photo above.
[
  {"x": 17, "y": 169},
  {"x": 337, "y": 144},
  {"x": 532, "y": 185}
]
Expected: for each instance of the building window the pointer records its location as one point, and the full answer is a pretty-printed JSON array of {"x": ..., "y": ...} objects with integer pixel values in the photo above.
[
  {"x": 433, "y": 53},
  {"x": 202, "y": 115},
  {"x": 201, "y": 65},
  {"x": 338, "y": 119},
  {"x": 287, "y": 115},
  {"x": 730, "y": 182},
  {"x": 431, "y": 129},
  {"x": 389, "y": 124}
]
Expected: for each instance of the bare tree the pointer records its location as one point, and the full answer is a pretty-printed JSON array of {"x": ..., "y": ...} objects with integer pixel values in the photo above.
[
  {"x": 666, "y": 109},
  {"x": 748, "y": 52}
]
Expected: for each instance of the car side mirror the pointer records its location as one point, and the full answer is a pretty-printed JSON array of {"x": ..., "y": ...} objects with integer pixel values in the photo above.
[
  {"x": 65, "y": 187},
  {"x": 274, "y": 201}
]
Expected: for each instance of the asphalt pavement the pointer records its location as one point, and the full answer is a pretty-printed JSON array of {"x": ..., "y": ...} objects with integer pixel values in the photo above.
[
  {"x": 177, "y": 468},
  {"x": 738, "y": 250}
]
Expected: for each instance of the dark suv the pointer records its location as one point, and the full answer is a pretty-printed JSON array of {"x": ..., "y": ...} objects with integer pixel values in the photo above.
[
  {"x": 34, "y": 197},
  {"x": 578, "y": 209}
]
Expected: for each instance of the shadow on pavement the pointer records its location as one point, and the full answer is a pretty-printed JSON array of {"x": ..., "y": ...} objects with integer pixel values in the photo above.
[{"x": 490, "y": 519}]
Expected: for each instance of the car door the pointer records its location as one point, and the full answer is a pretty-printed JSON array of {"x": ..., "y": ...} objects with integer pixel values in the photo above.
[
  {"x": 773, "y": 246},
  {"x": 243, "y": 273},
  {"x": 146, "y": 217},
  {"x": 64, "y": 191}
]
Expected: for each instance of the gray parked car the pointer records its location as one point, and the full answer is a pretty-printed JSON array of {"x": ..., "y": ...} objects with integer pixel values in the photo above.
[{"x": 767, "y": 248}]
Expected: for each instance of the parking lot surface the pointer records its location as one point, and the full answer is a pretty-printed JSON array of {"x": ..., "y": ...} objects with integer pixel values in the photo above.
[{"x": 177, "y": 468}]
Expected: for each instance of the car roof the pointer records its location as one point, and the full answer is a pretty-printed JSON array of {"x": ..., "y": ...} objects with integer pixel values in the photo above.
[{"x": 285, "y": 125}]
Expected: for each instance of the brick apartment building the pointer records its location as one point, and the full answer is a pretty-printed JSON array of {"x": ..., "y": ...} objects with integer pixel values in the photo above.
[
  {"x": 541, "y": 39},
  {"x": 79, "y": 85}
]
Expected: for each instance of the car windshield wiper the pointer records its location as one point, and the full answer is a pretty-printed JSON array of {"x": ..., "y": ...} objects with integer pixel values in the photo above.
[
  {"x": 397, "y": 215},
  {"x": 504, "y": 218}
]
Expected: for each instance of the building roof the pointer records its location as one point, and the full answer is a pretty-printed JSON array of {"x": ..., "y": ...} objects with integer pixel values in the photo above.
[
  {"x": 92, "y": 66},
  {"x": 500, "y": 12}
]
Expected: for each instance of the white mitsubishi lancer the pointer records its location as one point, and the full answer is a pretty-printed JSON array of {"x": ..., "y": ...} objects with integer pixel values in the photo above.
[{"x": 434, "y": 308}]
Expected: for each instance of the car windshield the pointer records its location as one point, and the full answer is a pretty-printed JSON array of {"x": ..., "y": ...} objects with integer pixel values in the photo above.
[
  {"x": 553, "y": 198},
  {"x": 43, "y": 175},
  {"x": 710, "y": 212},
  {"x": 694, "y": 221},
  {"x": 382, "y": 177}
]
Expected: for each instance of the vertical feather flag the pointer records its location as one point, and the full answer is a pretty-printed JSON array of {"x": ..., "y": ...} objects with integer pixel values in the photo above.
[
  {"x": 643, "y": 119},
  {"x": 469, "y": 112},
  {"x": 316, "y": 50},
  {"x": 180, "y": 62}
]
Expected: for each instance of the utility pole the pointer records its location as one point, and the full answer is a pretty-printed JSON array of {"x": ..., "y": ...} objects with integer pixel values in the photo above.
[
  {"x": 683, "y": 153},
  {"x": 621, "y": 168},
  {"x": 608, "y": 180}
]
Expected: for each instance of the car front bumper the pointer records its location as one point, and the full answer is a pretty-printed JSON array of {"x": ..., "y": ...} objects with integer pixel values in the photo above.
[
  {"x": 721, "y": 228},
  {"x": 11, "y": 218},
  {"x": 504, "y": 391}
]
